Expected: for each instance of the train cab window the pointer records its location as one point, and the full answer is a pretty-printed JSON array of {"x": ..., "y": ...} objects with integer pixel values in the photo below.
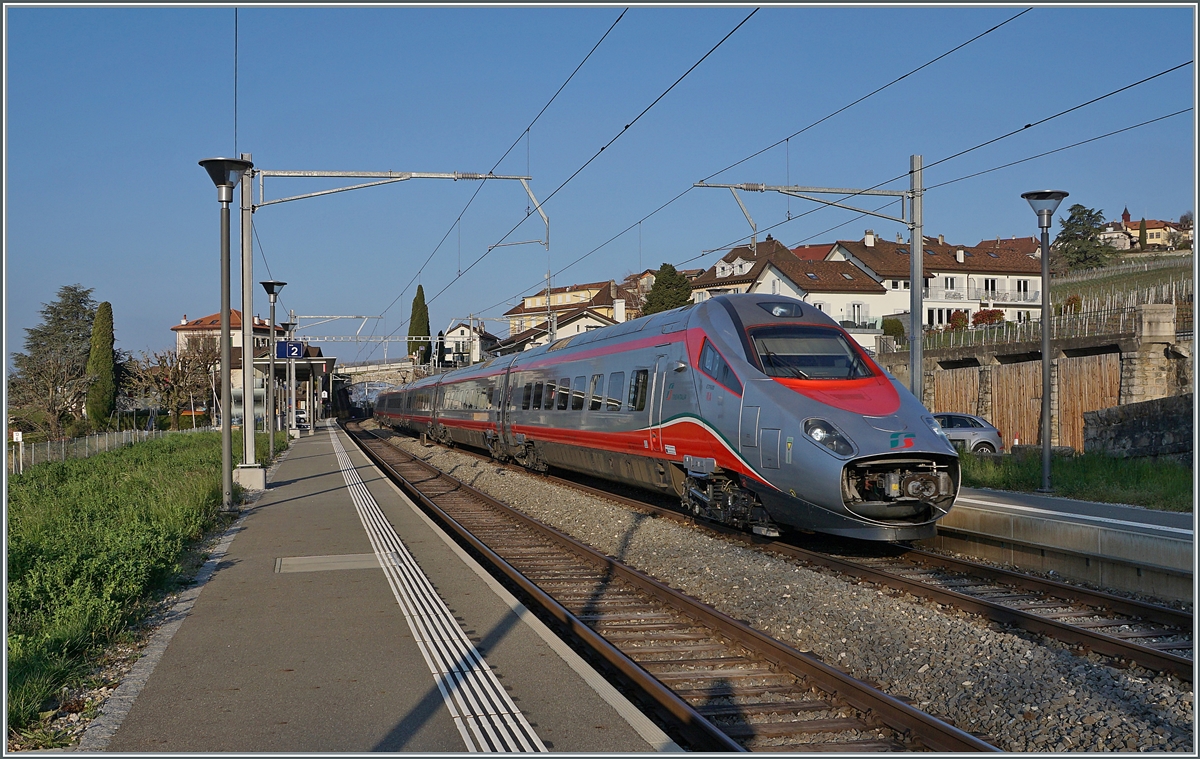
[
  {"x": 491, "y": 396},
  {"x": 637, "y": 390},
  {"x": 597, "y": 392},
  {"x": 798, "y": 351},
  {"x": 564, "y": 393},
  {"x": 551, "y": 395},
  {"x": 712, "y": 364},
  {"x": 577, "y": 395},
  {"x": 527, "y": 395},
  {"x": 537, "y": 395},
  {"x": 616, "y": 383}
]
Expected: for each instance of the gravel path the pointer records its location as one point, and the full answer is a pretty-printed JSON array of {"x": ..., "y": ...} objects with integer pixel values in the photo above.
[{"x": 1027, "y": 695}]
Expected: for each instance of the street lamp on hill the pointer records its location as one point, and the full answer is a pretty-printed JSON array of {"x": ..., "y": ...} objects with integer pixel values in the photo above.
[
  {"x": 270, "y": 416},
  {"x": 225, "y": 174},
  {"x": 1044, "y": 203}
]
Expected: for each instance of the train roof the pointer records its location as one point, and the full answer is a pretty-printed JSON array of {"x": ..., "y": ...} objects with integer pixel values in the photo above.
[{"x": 752, "y": 309}]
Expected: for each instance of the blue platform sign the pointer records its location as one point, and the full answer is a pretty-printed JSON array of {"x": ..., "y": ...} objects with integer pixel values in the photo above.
[{"x": 289, "y": 349}]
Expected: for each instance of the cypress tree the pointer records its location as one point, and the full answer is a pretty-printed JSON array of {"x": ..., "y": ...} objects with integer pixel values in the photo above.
[
  {"x": 1142, "y": 235},
  {"x": 671, "y": 290},
  {"x": 418, "y": 326},
  {"x": 102, "y": 394}
]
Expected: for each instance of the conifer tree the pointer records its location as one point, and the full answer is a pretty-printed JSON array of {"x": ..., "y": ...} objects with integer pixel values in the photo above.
[
  {"x": 671, "y": 290},
  {"x": 101, "y": 368},
  {"x": 418, "y": 326}
]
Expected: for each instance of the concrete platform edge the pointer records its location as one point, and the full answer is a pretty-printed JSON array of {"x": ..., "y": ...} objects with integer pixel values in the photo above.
[
  {"x": 642, "y": 724},
  {"x": 117, "y": 706}
]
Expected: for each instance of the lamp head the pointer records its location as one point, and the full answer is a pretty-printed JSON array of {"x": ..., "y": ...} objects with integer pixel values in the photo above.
[
  {"x": 225, "y": 174},
  {"x": 1044, "y": 203},
  {"x": 272, "y": 286}
]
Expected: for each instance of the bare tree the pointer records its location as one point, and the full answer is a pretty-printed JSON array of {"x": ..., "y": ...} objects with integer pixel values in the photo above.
[
  {"x": 172, "y": 380},
  {"x": 52, "y": 383}
]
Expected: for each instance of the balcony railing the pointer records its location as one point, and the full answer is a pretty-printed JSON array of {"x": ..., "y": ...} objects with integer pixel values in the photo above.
[{"x": 981, "y": 295}]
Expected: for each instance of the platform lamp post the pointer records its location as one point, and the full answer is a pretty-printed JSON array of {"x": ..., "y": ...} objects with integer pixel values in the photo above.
[
  {"x": 272, "y": 287},
  {"x": 225, "y": 174},
  {"x": 290, "y": 398},
  {"x": 1044, "y": 204}
]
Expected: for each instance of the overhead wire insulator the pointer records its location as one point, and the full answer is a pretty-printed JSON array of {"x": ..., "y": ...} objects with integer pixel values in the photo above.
[
  {"x": 754, "y": 187},
  {"x": 468, "y": 175}
]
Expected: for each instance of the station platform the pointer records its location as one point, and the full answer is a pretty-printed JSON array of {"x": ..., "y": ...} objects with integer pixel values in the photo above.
[
  {"x": 338, "y": 618},
  {"x": 1109, "y": 545}
]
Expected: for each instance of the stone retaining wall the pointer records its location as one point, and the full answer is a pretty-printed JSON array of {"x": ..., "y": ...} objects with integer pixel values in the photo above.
[{"x": 1155, "y": 428}]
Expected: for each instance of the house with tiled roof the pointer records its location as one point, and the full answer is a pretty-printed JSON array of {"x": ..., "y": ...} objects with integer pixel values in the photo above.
[
  {"x": 606, "y": 298},
  {"x": 1160, "y": 235},
  {"x": 210, "y": 327},
  {"x": 1003, "y": 274},
  {"x": 466, "y": 343},
  {"x": 566, "y": 324},
  {"x": 813, "y": 252},
  {"x": 838, "y": 288}
]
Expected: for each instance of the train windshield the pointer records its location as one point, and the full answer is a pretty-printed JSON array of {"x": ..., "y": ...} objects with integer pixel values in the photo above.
[{"x": 796, "y": 351}]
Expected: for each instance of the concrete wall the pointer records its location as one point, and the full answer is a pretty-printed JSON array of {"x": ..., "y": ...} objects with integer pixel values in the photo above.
[{"x": 1155, "y": 428}]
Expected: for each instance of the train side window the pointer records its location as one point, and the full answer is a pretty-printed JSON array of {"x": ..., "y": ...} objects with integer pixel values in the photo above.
[
  {"x": 616, "y": 383},
  {"x": 551, "y": 395},
  {"x": 537, "y": 395},
  {"x": 577, "y": 395},
  {"x": 597, "y": 392},
  {"x": 564, "y": 393},
  {"x": 637, "y": 390},
  {"x": 527, "y": 395},
  {"x": 712, "y": 364}
]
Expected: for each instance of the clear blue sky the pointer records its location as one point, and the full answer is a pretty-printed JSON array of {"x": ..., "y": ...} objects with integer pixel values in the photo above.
[{"x": 109, "y": 109}]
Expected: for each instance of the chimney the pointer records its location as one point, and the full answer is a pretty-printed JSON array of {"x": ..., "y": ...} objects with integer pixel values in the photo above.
[
  {"x": 941, "y": 239},
  {"x": 959, "y": 256},
  {"x": 899, "y": 237},
  {"x": 619, "y": 310},
  {"x": 869, "y": 238},
  {"x": 183, "y": 320}
]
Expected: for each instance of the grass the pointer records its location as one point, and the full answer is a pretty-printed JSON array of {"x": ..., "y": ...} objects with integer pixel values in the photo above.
[
  {"x": 90, "y": 544},
  {"x": 1163, "y": 485}
]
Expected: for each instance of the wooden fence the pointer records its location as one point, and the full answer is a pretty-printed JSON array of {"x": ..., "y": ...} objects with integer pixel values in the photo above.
[{"x": 1085, "y": 383}]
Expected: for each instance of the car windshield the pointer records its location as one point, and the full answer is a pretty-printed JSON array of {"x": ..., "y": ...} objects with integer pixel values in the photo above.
[{"x": 798, "y": 351}]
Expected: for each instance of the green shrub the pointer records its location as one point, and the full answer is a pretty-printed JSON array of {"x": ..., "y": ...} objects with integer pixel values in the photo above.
[
  {"x": 89, "y": 543},
  {"x": 893, "y": 328},
  {"x": 1165, "y": 485}
]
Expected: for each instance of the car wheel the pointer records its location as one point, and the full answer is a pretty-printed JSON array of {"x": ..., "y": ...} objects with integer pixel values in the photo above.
[{"x": 984, "y": 448}]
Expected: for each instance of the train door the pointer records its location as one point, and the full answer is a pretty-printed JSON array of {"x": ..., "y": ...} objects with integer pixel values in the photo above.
[
  {"x": 504, "y": 417},
  {"x": 758, "y": 433},
  {"x": 656, "y": 401}
]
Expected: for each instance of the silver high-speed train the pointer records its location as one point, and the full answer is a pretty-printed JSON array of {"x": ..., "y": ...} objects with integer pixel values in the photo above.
[{"x": 757, "y": 411}]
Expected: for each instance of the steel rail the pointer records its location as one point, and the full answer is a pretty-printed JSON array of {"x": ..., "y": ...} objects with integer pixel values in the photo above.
[
  {"x": 1097, "y": 642},
  {"x": 932, "y": 732}
]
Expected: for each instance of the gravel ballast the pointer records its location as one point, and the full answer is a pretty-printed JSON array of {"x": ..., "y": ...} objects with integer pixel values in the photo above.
[{"x": 1026, "y": 694}]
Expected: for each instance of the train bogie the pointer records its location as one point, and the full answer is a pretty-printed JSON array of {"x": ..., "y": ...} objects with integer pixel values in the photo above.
[{"x": 756, "y": 411}]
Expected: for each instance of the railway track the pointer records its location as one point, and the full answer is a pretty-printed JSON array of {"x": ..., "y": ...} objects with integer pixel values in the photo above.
[
  {"x": 726, "y": 686},
  {"x": 1129, "y": 631}
]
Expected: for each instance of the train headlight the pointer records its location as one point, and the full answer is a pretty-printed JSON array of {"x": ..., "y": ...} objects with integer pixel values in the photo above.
[
  {"x": 829, "y": 436},
  {"x": 937, "y": 429}
]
